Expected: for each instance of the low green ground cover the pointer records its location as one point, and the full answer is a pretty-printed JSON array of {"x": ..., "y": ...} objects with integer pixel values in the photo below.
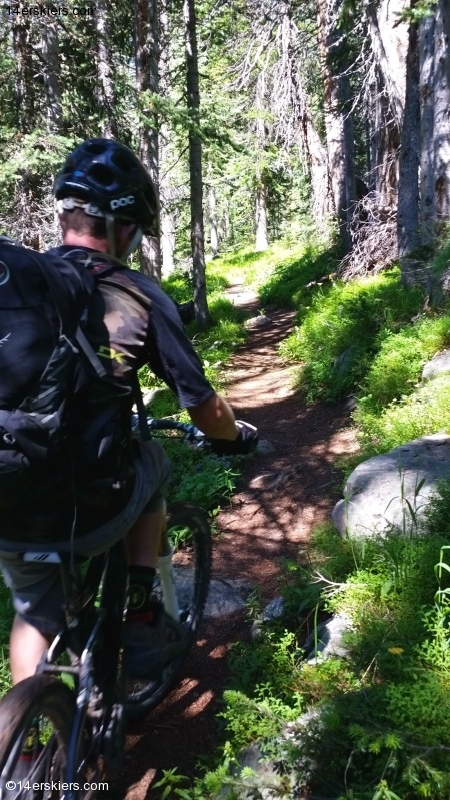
[
  {"x": 382, "y": 729},
  {"x": 369, "y": 338}
]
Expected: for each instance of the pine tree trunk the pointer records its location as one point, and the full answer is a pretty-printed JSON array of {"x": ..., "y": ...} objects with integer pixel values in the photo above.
[
  {"x": 167, "y": 243},
  {"x": 349, "y": 150},
  {"x": 426, "y": 50},
  {"x": 107, "y": 100},
  {"x": 195, "y": 168},
  {"x": 389, "y": 42},
  {"x": 408, "y": 183},
  {"x": 147, "y": 77},
  {"x": 317, "y": 159},
  {"x": 337, "y": 119},
  {"x": 261, "y": 242},
  {"x": 50, "y": 54},
  {"x": 213, "y": 221},
  {"x": 441, "y": 121},
  {"x": 166, "y": 190},
  {"x": 24, "y": 78},
  {"x": 391, "y": 78}
]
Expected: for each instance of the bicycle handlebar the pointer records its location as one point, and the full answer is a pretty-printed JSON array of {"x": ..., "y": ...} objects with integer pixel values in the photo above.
[{"x": 154, "y": 424}]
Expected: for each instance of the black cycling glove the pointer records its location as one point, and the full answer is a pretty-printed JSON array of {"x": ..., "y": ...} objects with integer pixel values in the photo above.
[{"x": 245, "y": 443}]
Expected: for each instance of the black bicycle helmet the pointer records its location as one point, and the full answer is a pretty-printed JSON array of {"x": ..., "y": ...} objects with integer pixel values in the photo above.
[{"x": 110, "y": 175}]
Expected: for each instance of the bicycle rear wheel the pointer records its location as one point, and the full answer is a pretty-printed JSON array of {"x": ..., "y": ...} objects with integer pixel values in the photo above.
[
  {"x": 192, "y": 577},
  {"x": 38, "y": 713}
]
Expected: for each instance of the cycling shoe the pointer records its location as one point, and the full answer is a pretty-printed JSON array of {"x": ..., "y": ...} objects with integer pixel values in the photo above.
[{"x": 149, "y": 647}]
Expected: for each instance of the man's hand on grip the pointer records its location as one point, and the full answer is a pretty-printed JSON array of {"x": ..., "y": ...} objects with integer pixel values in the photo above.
[{"x": 245, "y": 443}]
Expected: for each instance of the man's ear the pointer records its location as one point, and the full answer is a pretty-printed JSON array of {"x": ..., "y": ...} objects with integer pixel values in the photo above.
[
  {"x": 62, "y": 222},
  {"x": 124, "y": 234}
]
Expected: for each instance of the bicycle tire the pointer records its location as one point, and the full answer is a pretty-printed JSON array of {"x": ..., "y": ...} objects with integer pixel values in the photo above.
[
  {"x": 143, "y": 696},
  {"x": 46, "y": 698}
]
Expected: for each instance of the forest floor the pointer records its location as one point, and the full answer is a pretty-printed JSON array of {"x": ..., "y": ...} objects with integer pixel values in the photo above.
[{"x": 281, "y": 496}]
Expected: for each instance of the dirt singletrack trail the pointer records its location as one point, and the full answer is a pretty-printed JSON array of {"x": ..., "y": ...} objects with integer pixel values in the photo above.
[{"x": 282, "y": 495}]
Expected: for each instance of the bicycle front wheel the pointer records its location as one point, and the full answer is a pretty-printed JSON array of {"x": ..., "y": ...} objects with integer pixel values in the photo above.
[
  {"x": 192, "y": 571},
  {"x": 35, "y": 721}
]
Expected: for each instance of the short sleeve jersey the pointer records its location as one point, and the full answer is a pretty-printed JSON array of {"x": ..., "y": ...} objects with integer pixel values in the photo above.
[{"x": 156, "y": 337}]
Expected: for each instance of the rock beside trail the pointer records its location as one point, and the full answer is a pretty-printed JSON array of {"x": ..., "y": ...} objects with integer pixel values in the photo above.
[
  {"x": 439, "y": 365},
  {"x": 261, "y": 321},
  {"x": 225, "y": 597},
  {"x": 381, "y": 492},
  {"x": 330, "y": 639},
  {"x": 273, "y": 610},
  {"x": 265, "y": 780},
  {"x": 264, "y": 447}
]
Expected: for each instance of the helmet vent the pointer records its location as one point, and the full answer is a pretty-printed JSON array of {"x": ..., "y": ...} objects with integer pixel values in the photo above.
[
  {"x": 122, "y": 162},
  {"x": 102, "y": 175},
  {"x": 95, "y": 148}
]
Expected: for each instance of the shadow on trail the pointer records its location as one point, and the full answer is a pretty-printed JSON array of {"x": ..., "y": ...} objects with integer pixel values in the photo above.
[
  {"x": 281, "y": 496},
  {"x": 184, "y": 726}
]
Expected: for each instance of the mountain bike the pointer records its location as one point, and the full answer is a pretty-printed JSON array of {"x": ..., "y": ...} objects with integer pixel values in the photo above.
[{"x": 62, "y": 731}]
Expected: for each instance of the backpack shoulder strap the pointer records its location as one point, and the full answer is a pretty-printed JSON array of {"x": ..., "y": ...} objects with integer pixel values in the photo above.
[
  {"x": 57, "y": 286},
  {"x": 93, "y": 259},
  {"x": 142, "y": 414},
  {"x": 59, "y": 294}
]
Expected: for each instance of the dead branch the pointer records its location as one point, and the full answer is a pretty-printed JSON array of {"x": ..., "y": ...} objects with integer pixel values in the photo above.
[{"x": 374, "y": 237}]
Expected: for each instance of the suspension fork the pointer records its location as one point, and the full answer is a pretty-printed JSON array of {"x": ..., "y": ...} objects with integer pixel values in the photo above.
[{"x": 167, "y": 577}]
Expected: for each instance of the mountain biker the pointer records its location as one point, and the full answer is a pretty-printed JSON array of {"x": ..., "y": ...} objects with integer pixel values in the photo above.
[{"x": 105, "y": 202}]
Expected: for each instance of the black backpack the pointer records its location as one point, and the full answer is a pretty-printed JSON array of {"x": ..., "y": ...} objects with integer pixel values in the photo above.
[{"x": 43, "y": 303}]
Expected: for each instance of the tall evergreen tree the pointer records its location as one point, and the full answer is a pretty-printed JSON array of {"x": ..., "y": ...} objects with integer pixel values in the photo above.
[{"x": 195, "y": 166}]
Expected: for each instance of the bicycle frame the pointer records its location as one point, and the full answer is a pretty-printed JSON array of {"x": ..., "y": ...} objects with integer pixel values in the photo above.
[
  {"x": 92, "y": 636},
  {"x": 95, "y": 608}
]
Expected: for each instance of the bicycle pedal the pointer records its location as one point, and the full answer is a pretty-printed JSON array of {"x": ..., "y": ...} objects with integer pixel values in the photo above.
[{"x": 95, "y": 708}]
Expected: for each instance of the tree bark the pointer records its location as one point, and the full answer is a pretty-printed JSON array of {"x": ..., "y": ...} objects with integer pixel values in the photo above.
[
  {"x": 214, "y": 240},
  {"x": 107, "y": 100},
  {"x": 166, "y": 189},
  {"x": 317, "y": 160},
  {"x": 337, "y": 118},
  {"x": 441, "y": 120},
  {"x": 261, "y": 241},
  {"x": 389, "y": 44},
  {"x": 393, "y": 82},
  {"x": 24, "y": 77},
  {"x": 408, "y": 183},
  {"x": 349, "y": 151},
  {"x": 195, "y": 167},
  {"x": 426, "y": 94},
  {"x": 147, "y": 78}
]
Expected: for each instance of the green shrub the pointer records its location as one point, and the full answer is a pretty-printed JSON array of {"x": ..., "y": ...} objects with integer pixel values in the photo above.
[
  {"x": 437, "y": 513},
  {"x": 425, "y": 412},
  {"x": 178, "y": 285},
  {"x": 347, "y": 318},
  {"x": 287, "y": 284},
  {"x": 254, "y": 268},
  {"x": 260, "y": 697},
  {"x": 397, "y": 366}
]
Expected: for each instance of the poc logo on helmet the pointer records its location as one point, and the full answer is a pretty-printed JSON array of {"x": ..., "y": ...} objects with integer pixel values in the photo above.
[{"x": 122, "y": 201}]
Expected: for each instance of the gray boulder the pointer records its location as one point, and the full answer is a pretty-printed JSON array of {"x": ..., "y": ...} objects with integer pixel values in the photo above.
[
  {"x": 343, "y": 363},
  {"x": 273, "y": 610},
  {"x": 439, "y": 365},
  {"x": 380, "y": 492},
  {"x": 253, "y": 776},
  {"x": 261, "y": 321},
  {"x": 330, "y": 640},
  {"x": 225, "y": 597}
]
